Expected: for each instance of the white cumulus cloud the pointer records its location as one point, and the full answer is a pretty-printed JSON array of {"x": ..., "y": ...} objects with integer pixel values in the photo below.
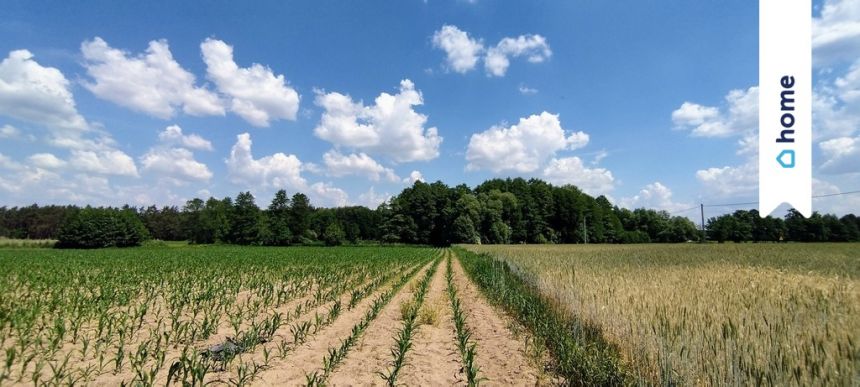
[
  {"x": 522, "y": 147},
  {"x": 328, "y": 195},
  {"x": 173, "y": 135},
  {"x": 848, "y": 85},
  {"x": 730, "y": 181},
  {"x": 462, "y": 52},
  {"x": 9, "y": 131},
  {"x": 360, "y": 164},
  {"x": 533, "y": 47},
  {"x": 255, "y": 93},
  {"x": 371, "y": 199},
  {"x": 178, "y": 163},
  {"x": 836, "y": 32},
  {"x": 105, "y": 162},
  {"x": 6, "y": 162},
  {"x": 40, "y": 95},
  {"x": 571, "y": 170},
  {"x": 33, "y": 93},
  {"x": 19, "y": 178},
  {"x": 656, "y": 196},
  {"x": 693, "y": 114},
  {"x": 390, "y": 127},
  {"x": 151, "y": 82},
  {"x": 841, "y": 155},
  {"x": 46, "y": 161},
  {"x": 413, "y": 177},
  {"x": 740, "y": 115},
  {"x": 278, "y": 170}
]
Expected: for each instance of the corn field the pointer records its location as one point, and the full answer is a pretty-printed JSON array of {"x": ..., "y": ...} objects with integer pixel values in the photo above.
[
  {"x": 237, "y": 316},
  {"x": 153, "y": 316}
]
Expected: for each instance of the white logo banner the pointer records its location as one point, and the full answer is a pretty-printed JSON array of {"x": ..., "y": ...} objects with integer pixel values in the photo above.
[{"x": 785, "y": 105}]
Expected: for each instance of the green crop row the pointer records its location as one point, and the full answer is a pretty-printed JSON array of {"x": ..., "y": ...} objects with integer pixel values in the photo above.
[
  {"x": 581, "y": 354},
  {"x": 119, "y": 316},
  {"x": 403, "y": 338},
  {"x": 336, "y": 355},
  {"x": 465, "y": 345}
]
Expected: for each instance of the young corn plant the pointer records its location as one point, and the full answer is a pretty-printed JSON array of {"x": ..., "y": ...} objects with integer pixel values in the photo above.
[
  {"x": 403, "y": 340},
  {"x": 98, "y": 302},
  {"x": 336, "y": 355},
  {"x": 464, "y": 345}
]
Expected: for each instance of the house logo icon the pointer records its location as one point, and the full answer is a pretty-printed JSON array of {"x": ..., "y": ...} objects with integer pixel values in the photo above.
[{"x": 786, "y": 158}]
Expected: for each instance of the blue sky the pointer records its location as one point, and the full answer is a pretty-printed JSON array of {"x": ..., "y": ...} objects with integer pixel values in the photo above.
[{"x": 649, "y": 103}]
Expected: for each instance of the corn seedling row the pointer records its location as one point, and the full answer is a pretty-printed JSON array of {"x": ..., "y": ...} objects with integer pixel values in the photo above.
[
  {"x": 336, "y": 355},
  {"x": 465, "y": 345},
  {"x": 300, "y": 333},
  {"x": 403, "y": 339}
]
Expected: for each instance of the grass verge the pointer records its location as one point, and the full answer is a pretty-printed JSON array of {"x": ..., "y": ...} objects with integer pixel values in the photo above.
[{"x": 580, "y": 353}]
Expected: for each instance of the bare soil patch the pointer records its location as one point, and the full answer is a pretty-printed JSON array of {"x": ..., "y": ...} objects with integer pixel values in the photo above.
[
  {"x": 372, "y": 353},
  {"x": 308, "y": 358},
  {"x": 434, "y": 359},
  {"x": 500, "y": 355}
]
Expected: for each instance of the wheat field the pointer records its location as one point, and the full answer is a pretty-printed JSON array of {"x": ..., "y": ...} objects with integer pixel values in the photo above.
[{"x": 710, "y": 314}]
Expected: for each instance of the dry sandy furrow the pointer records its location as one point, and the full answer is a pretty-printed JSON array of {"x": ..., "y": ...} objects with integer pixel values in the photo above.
[
  {"x": 372, "y": 354},
  {"x": 434, "y": 359},
  {"x": 173, "y": 353},
  {"x": 222, "y": 332},
  {"x": 284, "y": 335},
  {"x": 499, "y": 355},
  {"x": 308, "y": 358}
]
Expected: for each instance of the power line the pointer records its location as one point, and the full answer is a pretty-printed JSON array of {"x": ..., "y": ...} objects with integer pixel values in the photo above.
[
  {"x": 837, "y": 194},
  {"x": 756, "y": 202},
  {"x": 684, "y": 210},
  {"x": 701, "y": 207},
  {"x": 731, "y": 204}
]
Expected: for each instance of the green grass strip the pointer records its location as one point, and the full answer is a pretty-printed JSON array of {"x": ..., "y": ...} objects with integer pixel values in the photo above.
[{"x": 581, "y": 354}]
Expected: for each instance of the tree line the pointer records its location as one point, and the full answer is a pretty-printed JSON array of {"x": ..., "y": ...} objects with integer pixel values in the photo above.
[
  {"x": 746, "y": 226},
  {"x": 496, "y": 211}
]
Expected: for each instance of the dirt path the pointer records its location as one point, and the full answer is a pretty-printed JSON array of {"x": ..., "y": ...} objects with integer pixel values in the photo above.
[
  {"x": 499, "y": 355},
  {"x": 373, "y": 352},
  {"x": 308, "y": 357},
  {"x": 434, "y": 359}
]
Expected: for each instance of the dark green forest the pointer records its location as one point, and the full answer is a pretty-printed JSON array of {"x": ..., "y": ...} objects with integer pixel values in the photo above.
[{"x": 497, "y": 211}]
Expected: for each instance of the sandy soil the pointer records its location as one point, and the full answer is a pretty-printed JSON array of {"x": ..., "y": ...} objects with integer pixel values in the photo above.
[
  {"x": 223, "y": 331},
  {"x": 373, "y": 352},
  {"x": 434, "y": 359},
  {"x": 499, "y": 355},
  {"x": 308, "y": 358},
  {"x": 157, "y": 308}
]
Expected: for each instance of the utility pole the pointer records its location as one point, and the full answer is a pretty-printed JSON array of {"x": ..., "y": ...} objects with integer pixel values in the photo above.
[{"x": 702, "y": 211}]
